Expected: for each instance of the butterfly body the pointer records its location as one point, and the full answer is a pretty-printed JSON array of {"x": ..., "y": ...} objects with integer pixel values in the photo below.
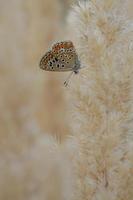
[{"x": 62, "y": 57}]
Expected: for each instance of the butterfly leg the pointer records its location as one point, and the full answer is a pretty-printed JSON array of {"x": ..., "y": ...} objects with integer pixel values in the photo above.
[
  {"x": 68, "y": 79},
  {"x": 76, "y": 71}
]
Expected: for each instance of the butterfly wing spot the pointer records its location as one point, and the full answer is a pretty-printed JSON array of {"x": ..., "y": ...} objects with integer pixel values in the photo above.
[{"x": 62, "y": 50}]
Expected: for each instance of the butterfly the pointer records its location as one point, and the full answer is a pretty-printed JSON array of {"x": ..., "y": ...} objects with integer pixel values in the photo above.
[{"x": 61, "y": 58}]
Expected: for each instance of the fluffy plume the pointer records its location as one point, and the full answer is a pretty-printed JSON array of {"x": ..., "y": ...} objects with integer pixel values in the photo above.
[{"x": 101, "y": 99}]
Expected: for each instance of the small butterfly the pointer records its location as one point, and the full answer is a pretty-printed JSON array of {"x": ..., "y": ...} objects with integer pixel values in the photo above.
[{"x": 62, "y": 57}]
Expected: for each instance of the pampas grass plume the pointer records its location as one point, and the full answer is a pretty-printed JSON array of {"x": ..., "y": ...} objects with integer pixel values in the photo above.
[{"x": 101, "y": 99}]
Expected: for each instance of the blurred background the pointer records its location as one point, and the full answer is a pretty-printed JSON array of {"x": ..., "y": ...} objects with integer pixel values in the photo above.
[{"x": 32, "y": 101}]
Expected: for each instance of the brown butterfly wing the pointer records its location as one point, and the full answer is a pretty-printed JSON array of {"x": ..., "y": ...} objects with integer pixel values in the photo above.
[{"x": 62, "y": 57}]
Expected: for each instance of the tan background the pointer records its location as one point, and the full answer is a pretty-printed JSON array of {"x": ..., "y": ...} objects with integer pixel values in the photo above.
[{"x": 32, "y": 101}]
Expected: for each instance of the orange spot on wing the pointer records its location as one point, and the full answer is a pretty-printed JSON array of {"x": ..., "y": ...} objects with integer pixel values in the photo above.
[
  {"x": 65, "y": 45},
  {"x": 57, "y": 47}
]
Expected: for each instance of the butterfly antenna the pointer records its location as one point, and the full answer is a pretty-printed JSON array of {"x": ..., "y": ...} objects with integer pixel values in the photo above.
[{"x": 68, "y": 79}]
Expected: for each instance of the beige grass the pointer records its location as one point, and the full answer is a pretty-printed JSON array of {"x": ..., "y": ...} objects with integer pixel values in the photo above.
[{"x": 101, "y": 99}]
